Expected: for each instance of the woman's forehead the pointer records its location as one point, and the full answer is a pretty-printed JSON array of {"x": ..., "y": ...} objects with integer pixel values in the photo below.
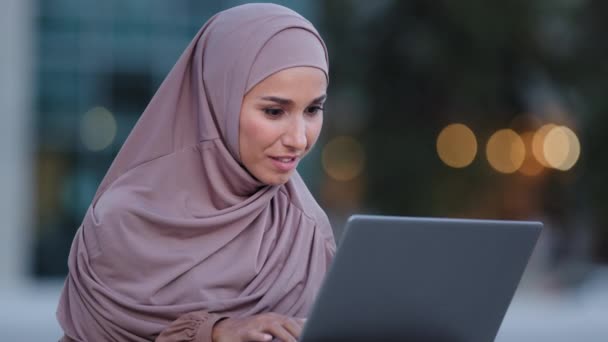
[{"x": 298, "y": 82}]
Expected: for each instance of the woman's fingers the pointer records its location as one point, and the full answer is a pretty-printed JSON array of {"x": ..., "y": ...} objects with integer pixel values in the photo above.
[
  {"x": 293, "y": 326},
  {"x": 264, "y": 327},
  {"x": 259, "y": 328},
  {"x": 258, "y": 336},
  {"x": 279, "y": 331}
]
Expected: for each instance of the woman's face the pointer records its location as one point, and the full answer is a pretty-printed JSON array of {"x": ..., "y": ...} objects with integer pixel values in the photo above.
[{"x": 280, "y": 121}]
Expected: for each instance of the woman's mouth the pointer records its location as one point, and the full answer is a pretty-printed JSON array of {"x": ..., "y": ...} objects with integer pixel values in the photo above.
[{"x": 284, "y": 164}]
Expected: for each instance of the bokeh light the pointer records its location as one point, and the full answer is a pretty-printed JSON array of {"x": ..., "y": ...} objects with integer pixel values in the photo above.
[
  {"x": 505, "y": 151},
  {"x": 561, "y": 148},
  {"x": 457, "y": 145},
  {"x": 538, "y": 143},
  {"x": 97, "y": 129},
  {"x": 530, "y": 166},
  {"x": 343, "y": 158}
]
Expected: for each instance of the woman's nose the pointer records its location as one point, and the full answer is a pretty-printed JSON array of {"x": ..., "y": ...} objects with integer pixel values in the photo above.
[{"x": 295, "y": 135}]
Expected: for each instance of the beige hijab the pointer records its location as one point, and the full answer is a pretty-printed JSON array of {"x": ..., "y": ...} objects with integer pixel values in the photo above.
[{"x": 178, "y": 224}]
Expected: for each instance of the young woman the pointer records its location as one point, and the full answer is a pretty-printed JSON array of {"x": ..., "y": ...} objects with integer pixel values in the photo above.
[{"x": 202, "y": 229}]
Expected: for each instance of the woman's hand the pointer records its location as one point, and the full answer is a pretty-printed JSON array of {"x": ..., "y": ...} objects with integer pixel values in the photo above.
[{"x": 258, "y": 328}]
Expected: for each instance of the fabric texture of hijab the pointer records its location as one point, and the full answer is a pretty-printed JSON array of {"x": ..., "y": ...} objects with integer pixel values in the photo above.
[{"x": 177, "y": 224}]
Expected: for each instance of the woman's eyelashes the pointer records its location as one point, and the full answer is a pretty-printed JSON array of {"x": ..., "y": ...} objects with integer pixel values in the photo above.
[
  {"x": 312, "y": 110},
  {"x": 274, "y": 112},
  {"x": 277, "y": 112}
]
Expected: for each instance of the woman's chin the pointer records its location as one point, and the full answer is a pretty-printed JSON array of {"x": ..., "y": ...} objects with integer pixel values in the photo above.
[{"x": 276, "y": 179}]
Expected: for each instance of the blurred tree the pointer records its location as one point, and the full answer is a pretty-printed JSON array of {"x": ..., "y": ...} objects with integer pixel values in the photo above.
[{"x": 419, "y": 65}]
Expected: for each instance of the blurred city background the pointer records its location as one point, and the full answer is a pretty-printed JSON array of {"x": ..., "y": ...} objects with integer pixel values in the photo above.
[{"x": 436, "y": 108}]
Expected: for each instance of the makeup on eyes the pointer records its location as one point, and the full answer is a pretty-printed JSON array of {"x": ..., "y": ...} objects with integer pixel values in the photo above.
[{"x": 273, "y": 112}]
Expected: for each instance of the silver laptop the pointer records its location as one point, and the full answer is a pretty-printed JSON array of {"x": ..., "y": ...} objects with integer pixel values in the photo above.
[{"x": 421, "y": 280}]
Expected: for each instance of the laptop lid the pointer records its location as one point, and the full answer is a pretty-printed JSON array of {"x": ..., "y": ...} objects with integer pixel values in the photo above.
[{"x": 421, "y": 279}]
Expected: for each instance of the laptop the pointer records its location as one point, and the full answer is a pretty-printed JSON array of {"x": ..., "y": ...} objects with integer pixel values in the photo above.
[{"x": 421, "y": 280}]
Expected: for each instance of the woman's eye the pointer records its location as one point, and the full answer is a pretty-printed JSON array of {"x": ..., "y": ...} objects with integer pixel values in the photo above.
[
  {"x": 273, "y": 111},
  {"x": 314, "y": 109}
]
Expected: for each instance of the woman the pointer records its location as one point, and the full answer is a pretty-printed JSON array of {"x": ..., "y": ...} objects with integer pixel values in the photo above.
[{"x": 202, "y": 230}]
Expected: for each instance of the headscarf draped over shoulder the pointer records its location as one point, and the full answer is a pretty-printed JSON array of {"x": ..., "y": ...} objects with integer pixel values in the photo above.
[{"x": 178, "y": 224}]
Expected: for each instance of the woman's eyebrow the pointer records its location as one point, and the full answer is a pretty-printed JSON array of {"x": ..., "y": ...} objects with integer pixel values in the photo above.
[
  {"x": 288, "y": 102},
  {"x": 279, "y": 100},
  {"x": 320, "y": 99}
]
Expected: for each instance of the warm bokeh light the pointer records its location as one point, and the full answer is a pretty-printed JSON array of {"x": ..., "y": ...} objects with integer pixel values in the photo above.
[
  {"x": 343, "y": 158},
  {"x": 505, "y": 151},
  {"x": 538, "y": 143},
  {"x": 561, "y": 148},
  {"x": 457, "y": 145},
  {"x": 575, "y": 150},
  {"x": 97, "y": 129},
  {"x": 530, "y": 166}
]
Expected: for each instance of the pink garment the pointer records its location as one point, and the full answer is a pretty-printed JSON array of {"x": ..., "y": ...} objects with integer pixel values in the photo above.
[{"x": 178, "y": 225}]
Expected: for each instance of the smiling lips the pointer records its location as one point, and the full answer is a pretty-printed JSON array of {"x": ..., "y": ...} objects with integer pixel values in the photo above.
[{"x": 285, "y": 163}]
